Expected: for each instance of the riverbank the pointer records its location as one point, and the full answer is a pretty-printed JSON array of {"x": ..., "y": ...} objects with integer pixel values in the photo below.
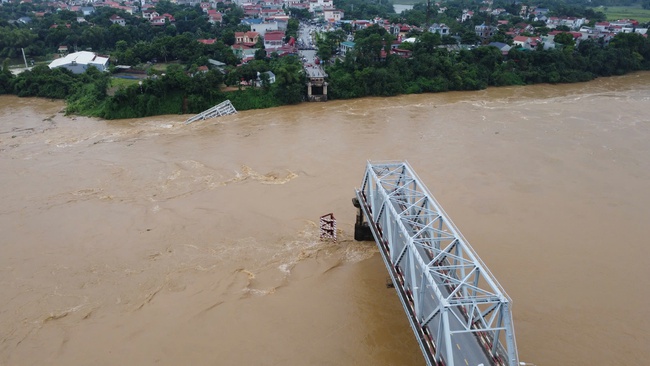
[
  {"x": 147, "y": 241},
  {"x": 430, "y": 69}
]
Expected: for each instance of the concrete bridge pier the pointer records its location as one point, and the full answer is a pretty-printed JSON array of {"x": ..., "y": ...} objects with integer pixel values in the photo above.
[
  {"x": 317, "y": 89},
  {"x": 362, "y": 230}
]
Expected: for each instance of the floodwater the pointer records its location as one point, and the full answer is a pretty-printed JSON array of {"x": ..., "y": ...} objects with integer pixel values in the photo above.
[{"x": 140, "y": 242}]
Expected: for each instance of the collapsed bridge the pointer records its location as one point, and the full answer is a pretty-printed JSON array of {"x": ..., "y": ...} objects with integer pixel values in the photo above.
[{"x": 458, "y": 311}]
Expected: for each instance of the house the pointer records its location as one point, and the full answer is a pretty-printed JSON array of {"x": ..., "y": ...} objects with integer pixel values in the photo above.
[
  {"x": 284, "y": 50},
  {"x": 528, "y": 43},
  {"x": 485, "y": 31},
  {"x": 207, "y": 41},
  {"x": 264, "y": 27},
  {"x": 274, "y": 39},
  {"x": 523, "y": 12},
  {"x": 333, "y": 15},
  {"x": 360, "y": 24},
  {"x": 467, "y": 15},
  {"x": 150, "y": 14},
  {"x": 571, "y": 22},
  {"x": 116, "y": 19},
  {"x": 214, "y": 16},
  {"x": 540, "y": 18},
  {"x": 576, "y": 35},
  {"x": 252, "y": 10},
  {"x": 251, "y": 21},
  {"x": 162, "y": 20},
  {"x": 346, "y": 47},
  {"x": 246, "y": 38},
  {"x": 524, "y": 28},
  {"x": 79, "y": 62},
  {"x": 403, "y": 30},
  {"x": 319, "y": 5},
  {"x": 503, "y": 47},
  {"x": 401, "y": 52},
  {"x": 218, "y": 65},
  {"x": 541, "y": 11},
  {"x": 269, "y": 74},
  {"x": 244, "y": 52},
  {"x": 267, "y": 13},
  {"x": 441, "y": 29},
  {"x": 87, "y": 10},
  {"x": 157, "y": 20}
]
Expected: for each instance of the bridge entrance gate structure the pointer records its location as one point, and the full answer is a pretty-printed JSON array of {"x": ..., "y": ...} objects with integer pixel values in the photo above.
[{"x": 459, "y": 313}]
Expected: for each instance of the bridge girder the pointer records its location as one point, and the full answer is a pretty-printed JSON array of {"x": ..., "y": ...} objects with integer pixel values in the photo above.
[{"x": 445, "y": 288}]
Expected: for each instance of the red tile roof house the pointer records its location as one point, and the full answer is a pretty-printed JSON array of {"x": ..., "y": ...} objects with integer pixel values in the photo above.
[
  {"x": 207, "y": 41},
  {"x": 401, "y": 53},
  {"x": 526, "y": 42},
  {"x": 576, "y": 35},
  {"x": 214, "y": 16},
  {"x": 161, "y": 20},
  {"x": 116, "y": 19},
  {"x": 246, "y": 38},
  {"x": 149, "y": 14},
  {"x": 157, "y": 21},
  {"x": 601, "y": 26},
  {"x": 252, "y": 10},
  {"x": 283, "y": 50},
  {"x": 274, "y": 39}
]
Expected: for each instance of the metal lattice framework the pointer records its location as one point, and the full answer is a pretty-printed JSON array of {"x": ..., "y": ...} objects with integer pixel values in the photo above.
[{"x": 456, "y": 307}]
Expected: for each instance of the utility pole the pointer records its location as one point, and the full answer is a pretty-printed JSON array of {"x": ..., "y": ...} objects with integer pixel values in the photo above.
[
  {"x": 427, "y": 22},
  {"x": 24, "y": 58}
]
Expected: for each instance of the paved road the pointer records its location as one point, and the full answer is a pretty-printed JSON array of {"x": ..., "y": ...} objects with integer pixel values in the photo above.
[{"x": 308, "y": 52}]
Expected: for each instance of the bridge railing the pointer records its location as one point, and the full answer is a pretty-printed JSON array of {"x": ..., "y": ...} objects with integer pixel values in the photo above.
[{"x": 448, "y": 292}]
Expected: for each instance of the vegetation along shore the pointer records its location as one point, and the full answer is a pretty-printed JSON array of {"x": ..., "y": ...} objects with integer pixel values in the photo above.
[{"x": 184, "y": 57}]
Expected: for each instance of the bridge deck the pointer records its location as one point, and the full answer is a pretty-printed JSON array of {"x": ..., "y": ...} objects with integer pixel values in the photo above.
[{"x": 458, "y": 311}]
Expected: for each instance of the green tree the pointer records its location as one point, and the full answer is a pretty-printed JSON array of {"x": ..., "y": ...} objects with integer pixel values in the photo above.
[
  {"x": 565, "y": 39},
  {"x": 289, "y": 83}
]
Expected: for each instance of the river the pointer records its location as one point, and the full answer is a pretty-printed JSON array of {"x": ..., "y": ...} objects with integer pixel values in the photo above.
[
  {"x": 399, "y": 8},
  {"x": 147, "y": 241}
]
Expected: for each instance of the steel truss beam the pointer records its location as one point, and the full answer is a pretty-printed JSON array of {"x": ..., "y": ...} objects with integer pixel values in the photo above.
[{"x": 449, "y": 294}]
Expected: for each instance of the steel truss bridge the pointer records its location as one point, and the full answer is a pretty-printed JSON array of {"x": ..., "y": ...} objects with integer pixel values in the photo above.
[{"x": 457, "y": 309}]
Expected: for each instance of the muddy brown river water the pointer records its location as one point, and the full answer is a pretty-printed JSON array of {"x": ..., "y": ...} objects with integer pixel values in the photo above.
[{"x": 141, "y": 242}]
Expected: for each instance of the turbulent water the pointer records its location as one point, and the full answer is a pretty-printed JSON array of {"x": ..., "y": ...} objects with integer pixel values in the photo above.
[{"x": 140, "y": 242}]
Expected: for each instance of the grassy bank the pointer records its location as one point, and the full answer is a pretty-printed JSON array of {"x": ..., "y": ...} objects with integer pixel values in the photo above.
[{"x": 624, "y": 12}]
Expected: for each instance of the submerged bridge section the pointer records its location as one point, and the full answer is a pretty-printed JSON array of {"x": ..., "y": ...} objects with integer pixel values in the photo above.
[
  {"x": 222, "y": 109},
  {"x": 460, "y": 314}
]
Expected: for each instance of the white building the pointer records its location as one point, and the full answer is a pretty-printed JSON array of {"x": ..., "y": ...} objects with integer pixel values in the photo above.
[
  {"x": 262, "y": 28},
  {"x": 333, "y": 15},
  {"x": 442, "y": 29},
  {"x": 78, "y": 62}
]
